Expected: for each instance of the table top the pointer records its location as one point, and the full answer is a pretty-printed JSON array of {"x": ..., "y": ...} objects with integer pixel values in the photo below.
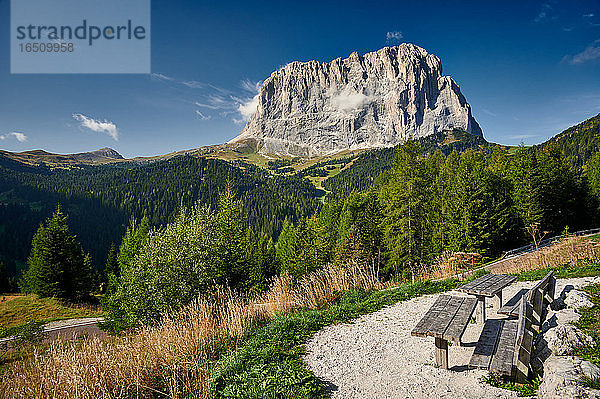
[
  {"x": 447, "y": 318},
  {"x": 488, "y": 285}
]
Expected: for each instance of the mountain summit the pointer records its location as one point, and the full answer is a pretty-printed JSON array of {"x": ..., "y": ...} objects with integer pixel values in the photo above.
[{"x": 376, "y": 100}]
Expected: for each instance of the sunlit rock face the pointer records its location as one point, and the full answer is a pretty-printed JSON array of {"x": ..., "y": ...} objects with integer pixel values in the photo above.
[{"x": 376, "y": 100}]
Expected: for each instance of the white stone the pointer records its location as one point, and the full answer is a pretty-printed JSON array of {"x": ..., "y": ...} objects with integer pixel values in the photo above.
[
  {"x": 562, "y": 375},
  {"x": 576, "y": 299},
  {"x": 376, "y": 100},
  {"x": 564, "y": 338}
]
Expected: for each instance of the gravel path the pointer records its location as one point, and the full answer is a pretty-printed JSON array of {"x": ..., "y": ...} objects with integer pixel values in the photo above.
[{"x": 376, "y": 357}]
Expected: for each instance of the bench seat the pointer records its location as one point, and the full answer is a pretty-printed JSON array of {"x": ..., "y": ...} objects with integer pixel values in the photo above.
[
  {"x": 511, "y": 307},
  {"x": 496, "y": 346},
  {"x": 505, "y": 345}
]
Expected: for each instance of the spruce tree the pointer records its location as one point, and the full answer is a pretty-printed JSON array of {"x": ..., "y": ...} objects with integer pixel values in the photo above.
[{"x": 58, "y": 267}]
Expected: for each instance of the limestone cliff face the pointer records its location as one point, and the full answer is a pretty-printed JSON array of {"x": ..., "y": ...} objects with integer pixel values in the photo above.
[{"x": 375, "y": 100}]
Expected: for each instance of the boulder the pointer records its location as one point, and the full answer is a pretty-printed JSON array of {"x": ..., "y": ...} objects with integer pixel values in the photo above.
[
  {"x": 562, "y": 376},
  {"x": 564, "y": 338},
  {"x": 576, "y": 299}
]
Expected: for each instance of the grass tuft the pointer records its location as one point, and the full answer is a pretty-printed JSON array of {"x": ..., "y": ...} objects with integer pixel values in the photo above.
[{"x": 522, "y": 389}]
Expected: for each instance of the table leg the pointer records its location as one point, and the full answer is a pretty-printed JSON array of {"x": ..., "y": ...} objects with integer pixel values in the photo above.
[
  {"x": 480, "y": 309},
  {"x": 498, "y": 300},
  {"x": 441, "y": 353}
]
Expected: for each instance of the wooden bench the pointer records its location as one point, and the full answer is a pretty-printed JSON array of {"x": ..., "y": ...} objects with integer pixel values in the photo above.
[
  {"x": 446, "y": 320},
  {"x": 505, "y": 346},
  {"x": 489, "y": 285},
  {"x": 540, "y": 296}
]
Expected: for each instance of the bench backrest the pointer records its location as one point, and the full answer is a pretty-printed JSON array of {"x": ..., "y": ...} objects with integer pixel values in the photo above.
[
  {"x": 540, "y": 296},
  {"x": 524, "y": 343}
]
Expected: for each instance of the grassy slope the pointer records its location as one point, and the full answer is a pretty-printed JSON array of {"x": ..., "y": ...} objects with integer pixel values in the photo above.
[
  {"x": 268, "y": 363},
  {"x": 19, "y": 309}
]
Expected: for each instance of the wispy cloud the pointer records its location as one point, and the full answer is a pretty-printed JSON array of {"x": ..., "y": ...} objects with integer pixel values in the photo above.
[
  {"x": 214, "y": 101},
  {"x": 98, "y": 126},
  {"x": 523, "y": 136},
  {"x": 160, "y": 76},
  {"x": 590, "y": 19},
  {"x": 20, "y": 137},
  {"x": 394, "y": 36},
  {"x": 490, "y": 113},
  {"x": 591, "y": 53},
  {"x": 202, "y": 116},
  {"x": 545, "y": 13}
]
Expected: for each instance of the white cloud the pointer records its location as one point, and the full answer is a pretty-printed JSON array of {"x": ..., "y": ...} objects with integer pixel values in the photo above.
[
  {"x": 490, "y": 113},
  {"x": 248, "y": 85},
  {"x": 160, "y": 76},
  {"x": 248, "y": 108},
  {"x": 588, "y": 19},
  {"x": 21, "y": 138},
  {"x": 544, "y": 13},
  {"x": 237, "y": 104},
  {"x": 202, "y": 116},
  {"x": 98, "y": 126},
  {"x": 348, "y": 100},
  {"x": 523, "y": 136},
  {"x": 394, "y": 36},
  {"x": 590, "y": 53}
]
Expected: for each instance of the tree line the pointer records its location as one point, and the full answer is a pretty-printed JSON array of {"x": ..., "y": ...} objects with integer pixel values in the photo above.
[{"x": 424, "y": 205}]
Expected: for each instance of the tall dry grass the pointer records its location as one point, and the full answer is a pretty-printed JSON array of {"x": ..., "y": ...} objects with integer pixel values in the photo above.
[
  {"x": 175, "y": 358},
  {"x": 573, "y": 251},
  {"x": 457, "y": 264}
]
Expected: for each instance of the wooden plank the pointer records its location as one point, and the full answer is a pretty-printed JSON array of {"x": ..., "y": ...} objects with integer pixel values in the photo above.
[
  {"x": 423, "y": 326},
  {"x": 499, "y": 285},
  {"x": 486, "y": 346},
  {"x": 536, "y": 298},
  {"x": 524, "y": 342},
  {"x": 479, "y": 288},
  {"x": 441, "y": 323},
  {"x": 441, "y": 353},
  {"x": 473, "y": 284},
  {"x": 511, "y": 307},
  {"x": 502, "y": 360},
  {"x": 488, "y": 285},
  {"x": 552, "y": 287},
  {"x": 543, "y": 283},
  {"x": 495, "y": 285},
  {"x": 459, "y": 324}
]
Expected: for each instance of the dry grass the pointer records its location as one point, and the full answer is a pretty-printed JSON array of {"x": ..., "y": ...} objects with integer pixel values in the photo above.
[
  {"x": 448, "y": 265},
  {"x": 174, "y": 358},
  {"x": 571, "y": 250}
]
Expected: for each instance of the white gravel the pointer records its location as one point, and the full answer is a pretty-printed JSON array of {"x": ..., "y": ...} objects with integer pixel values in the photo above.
[{"x": 376, "y": 357}]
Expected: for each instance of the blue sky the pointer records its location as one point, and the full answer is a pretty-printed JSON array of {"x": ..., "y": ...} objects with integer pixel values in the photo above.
[{"x": 528, "y": 69}]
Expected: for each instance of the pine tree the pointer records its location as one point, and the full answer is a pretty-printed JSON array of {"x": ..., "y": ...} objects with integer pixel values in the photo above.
[
  {"x": 58, "y": 266},
  {"x": 134, "y": 239}
]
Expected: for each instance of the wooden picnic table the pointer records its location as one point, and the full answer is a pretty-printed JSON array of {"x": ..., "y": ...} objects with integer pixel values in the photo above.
[
  {"x": 446, "y": 320},
  {"x": 490, "y": 285}
]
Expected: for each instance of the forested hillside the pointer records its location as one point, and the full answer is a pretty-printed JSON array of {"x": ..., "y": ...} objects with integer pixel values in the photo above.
[
  {"x": 367, "y": 166},
  {"x": 579, "y": 143},
  {"x": 449, "y": 192},
  {"x": 100, "y": 200}
]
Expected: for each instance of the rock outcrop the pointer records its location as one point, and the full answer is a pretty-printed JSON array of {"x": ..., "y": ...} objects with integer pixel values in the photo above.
[
  {"x": 376, "y": 100},
  {"x": 562, "y": 378}
]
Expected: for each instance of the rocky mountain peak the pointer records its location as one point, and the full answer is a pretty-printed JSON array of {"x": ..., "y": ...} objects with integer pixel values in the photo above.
[{"x": 375, "y": 100}]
